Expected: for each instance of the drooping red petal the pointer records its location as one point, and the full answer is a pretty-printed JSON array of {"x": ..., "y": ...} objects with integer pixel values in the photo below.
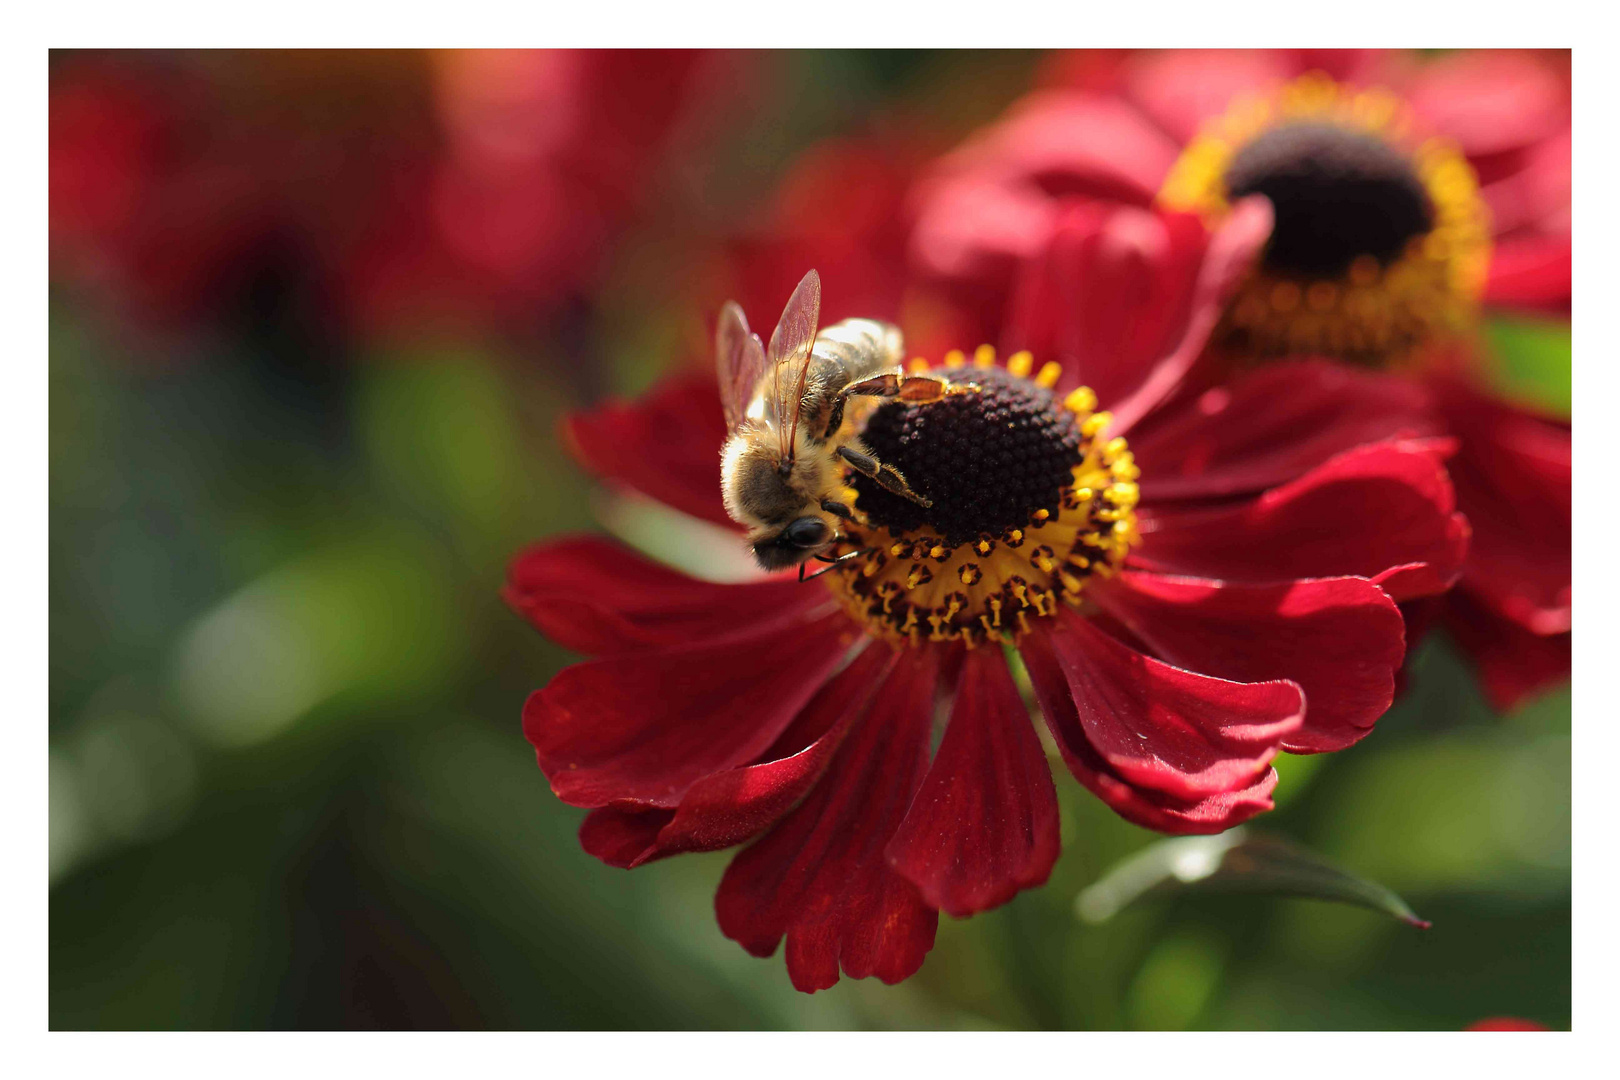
[
  {"x": 985, "y": 822},
  {"x": 819, "y": 877},
  {"x": 594, "y": 595},
  {"x": 642, "y": 727},
  {"x": 1148, "y": 808},
  {"x": 734, "y": 806},
  {"x": 1271, "y": 425},
  {"x": 665, "y": 445},
  {"x": 1514, "y": 665},
  {"x": 1166, "y": 729},
  {"x": 1126, "y": 299},
  {"x": 621, "y": 836},
  {"x": 1384, "y": 511},
  {"x": 1513, "y": 475},
  {"x": 1341, "y": 639}
]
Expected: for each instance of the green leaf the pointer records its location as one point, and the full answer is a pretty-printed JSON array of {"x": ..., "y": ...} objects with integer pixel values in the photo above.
[
  {"x": 1234, "y": 861},
  {"x": 1534, "y": 360}
]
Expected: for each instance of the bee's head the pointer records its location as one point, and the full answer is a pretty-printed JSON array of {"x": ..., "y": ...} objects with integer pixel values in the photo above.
[
  {"x": 781, "y": 510},
  {"x": 779, "y": 547}
]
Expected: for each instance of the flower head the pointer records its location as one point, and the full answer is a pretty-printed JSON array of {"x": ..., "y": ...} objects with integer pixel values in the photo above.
[
  {"x": 1179, "y": 575},
  {"x": 1406, "y": 195}
]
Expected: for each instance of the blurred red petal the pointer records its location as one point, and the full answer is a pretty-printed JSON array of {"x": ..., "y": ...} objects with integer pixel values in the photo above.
[
  {"x": 1513, "y": 475},
  {"x": 1489, "y": 101},
  {"x": 1182, "y": 89},
  {"x": 642, "y": 727},
  {"x": 1341, "y": 639},
  {"x": 1272, "y": 425},
  {"x": 1506, "y": 1023},
  {"x": 819, "y": 877},
  {"x": 985, "y": 823},
  {"x": 595, "y": 595},
  {"x": 666, "y": 444},
  {"x": 1513, "y": 664},
  {"x": 1531, "y": 272},
  {"x": 992, "y": 202},
  {"x": 1150, "y": 809},
  {"x": 1383, "y": 511}
]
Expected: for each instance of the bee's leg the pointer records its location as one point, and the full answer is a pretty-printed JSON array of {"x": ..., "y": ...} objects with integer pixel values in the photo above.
[
  {"x": 921, "y": 389},
  {"x": 833, "y": 564},
  {"x": 887, "y": 476},
  {"x": 833, "y": 506}
]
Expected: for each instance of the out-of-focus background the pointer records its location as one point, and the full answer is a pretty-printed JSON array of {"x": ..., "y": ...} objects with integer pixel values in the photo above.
[{"x": 314, "y": 317}]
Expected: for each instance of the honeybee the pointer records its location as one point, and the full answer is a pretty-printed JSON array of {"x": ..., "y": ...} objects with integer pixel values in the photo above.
[{"x": 781, "y": 470}]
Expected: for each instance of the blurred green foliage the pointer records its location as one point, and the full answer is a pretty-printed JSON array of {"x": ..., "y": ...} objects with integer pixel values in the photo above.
[{"x": 289, "y": 788}]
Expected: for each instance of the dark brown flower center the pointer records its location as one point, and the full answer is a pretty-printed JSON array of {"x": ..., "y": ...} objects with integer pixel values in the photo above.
[
  {"x": 1338, "y": 194},
  {"x": 1029, "y": 500},
  {"x": 987, "y": 460}
]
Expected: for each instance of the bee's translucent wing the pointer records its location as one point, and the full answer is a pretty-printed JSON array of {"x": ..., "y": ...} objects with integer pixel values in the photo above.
[
  {"x": 789, "y": 355},
  {"x": 740, "y": 360}
]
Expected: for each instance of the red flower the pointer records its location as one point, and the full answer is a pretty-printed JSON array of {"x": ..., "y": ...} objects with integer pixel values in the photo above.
[
  {"x": 1173, "y": 629},
  {"x": 994, "y": 201},
  {"x": 1191, "y": 129}
]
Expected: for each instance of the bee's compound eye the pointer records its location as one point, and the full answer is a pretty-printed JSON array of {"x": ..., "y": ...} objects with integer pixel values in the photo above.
[{"x": 807, "y": 532}]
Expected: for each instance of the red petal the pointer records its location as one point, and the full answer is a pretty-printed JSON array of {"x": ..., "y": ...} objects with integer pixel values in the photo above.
[
  {"x": 731, "y": 807},
  {"x": 1341, "y": 639},
  {"x": 1531, "y": 271},
  {"x": 992, "y": 203},
  {"x": 594, "y": 595},
  {"x": 1126, "y": 299},
  {"x": 642, "y": 727},
  {"x": 1513, "y": 481},
  {"x": 1491, "y": 101},
  {"x": 1384, "y": 511},
  {"x": 1150, "y": 809},
  {"x": 1182, "y": 89},
  {"x": 621, "y": 837},
  {"x": 819, "y": 876},
  {"x": 1514, "y": 665},
  {"x": 985, "y": 823},
  {"x": 1186, "y": 735},
  {"x": 666, "y": 445},
  {"x": 1272, "y": 425}
]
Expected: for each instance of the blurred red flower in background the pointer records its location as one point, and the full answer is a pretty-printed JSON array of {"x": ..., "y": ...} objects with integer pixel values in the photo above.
[
  {"x": 1255, "y": 567},
  {"x": 1168, "y": 127},
  {"x": 399, "y": 190}
]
